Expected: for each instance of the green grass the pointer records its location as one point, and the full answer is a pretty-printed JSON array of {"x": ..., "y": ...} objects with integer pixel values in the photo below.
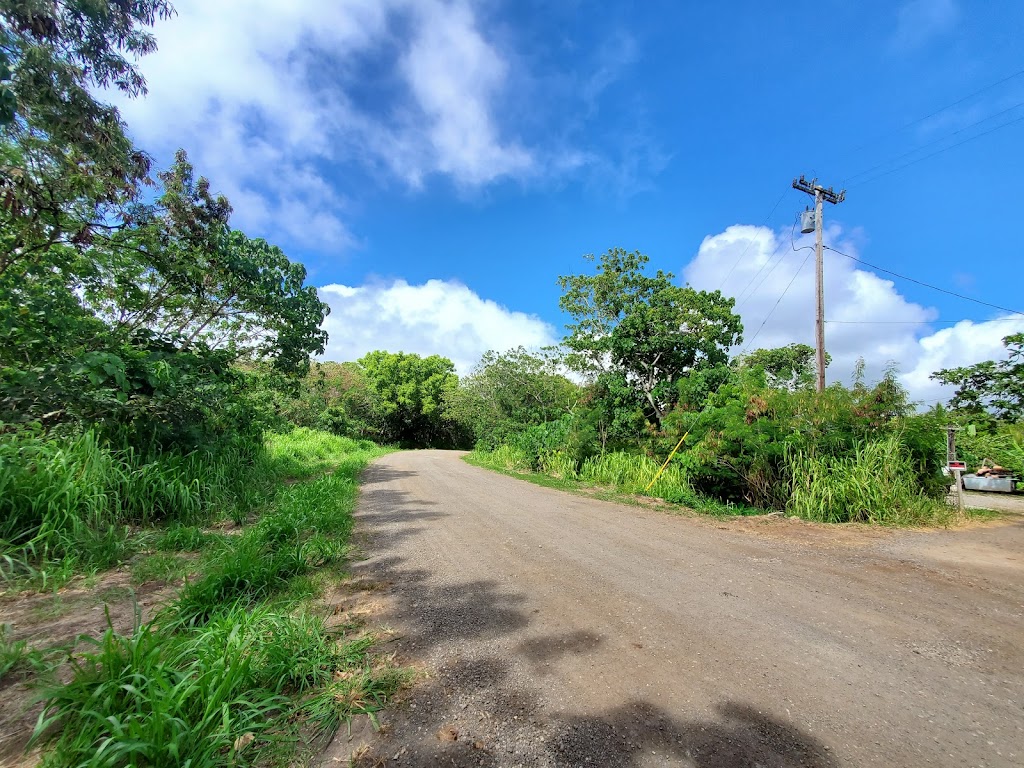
[
  {"x": 874, "y": 485},
  {"x": 615, "y": 477},
  {"x": 160, "y": 566},
  {"x": 71, "y": 504},
  {"x": 19, "y": 659},
  {"x": 239, "y": 669}
]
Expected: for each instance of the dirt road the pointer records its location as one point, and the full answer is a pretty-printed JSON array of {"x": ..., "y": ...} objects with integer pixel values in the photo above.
[{"x": 556, "y": 630}]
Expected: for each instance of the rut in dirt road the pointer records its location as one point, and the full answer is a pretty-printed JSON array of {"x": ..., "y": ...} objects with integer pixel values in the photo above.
[{"x": 557, "y": 630}]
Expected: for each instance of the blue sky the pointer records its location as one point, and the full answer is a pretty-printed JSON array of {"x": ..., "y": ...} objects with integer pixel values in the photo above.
[{"x": 436, "y": 165}]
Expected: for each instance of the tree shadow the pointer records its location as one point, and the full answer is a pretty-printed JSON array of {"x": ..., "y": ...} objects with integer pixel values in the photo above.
[
  {"x": 741, "y": 737},
  {"x": 506, "y": 726},
  {"x": 546, "y": 649},
  {"x": 381, "y": 473},
  {"x": 432, "y": 614}
]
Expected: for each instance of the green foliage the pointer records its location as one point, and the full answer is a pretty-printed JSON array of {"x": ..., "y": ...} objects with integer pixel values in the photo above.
[
  {"x": 230, "y": 680},
  {"x": 409, "y": 391},
  {"x": 70, "y": 499},
  {"x": 120, "y": 313},
  {"x": 304, "y": 529},
  {"x": 990, "y": 387},
  {"x": 646, "y": 328},
  {"x": 184, "y": 538},
  {"x": 333, "y": 397},
  {"x": 1001, "y": 444},
  {"x": 876, "y": 484},
  {"x": 747, "y": 444},
  {"x": 791, "y": 367},
  {"x": 508, "y": 392},
  {"x": 160, "y": 566}
]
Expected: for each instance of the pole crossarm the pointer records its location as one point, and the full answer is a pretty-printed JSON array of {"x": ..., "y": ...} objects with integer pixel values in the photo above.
[{"x": 812, "y": 187}]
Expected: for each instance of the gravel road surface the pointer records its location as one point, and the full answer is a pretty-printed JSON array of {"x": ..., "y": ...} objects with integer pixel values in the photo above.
[{"x": 557, "y": 630}]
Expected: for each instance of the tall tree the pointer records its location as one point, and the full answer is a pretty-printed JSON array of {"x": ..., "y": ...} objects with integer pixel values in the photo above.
[
  {"x": 993, "y": 386},
  {"x": 67, "y": 166},
  {"x": 509, "y": 391},
  {"x": 409, "y": 391},
  {"x": 652, "y": 331}
]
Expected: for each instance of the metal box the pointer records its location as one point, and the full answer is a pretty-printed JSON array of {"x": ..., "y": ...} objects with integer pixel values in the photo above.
[
  {"x": 979, "y": 483},
  {"x": 807, "y": 222}
]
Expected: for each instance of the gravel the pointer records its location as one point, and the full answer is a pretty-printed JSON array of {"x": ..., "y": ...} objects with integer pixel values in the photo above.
[{"x": 555, "y": 630}]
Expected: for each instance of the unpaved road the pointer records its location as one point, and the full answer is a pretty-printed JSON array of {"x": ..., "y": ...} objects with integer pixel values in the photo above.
[{"x": 557, "y": 630}]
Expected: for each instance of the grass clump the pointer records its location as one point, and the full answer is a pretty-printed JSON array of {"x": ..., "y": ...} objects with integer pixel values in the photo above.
[
  {"x": 184, "y": 538},
  {"x": 160, "y": 566},
  {"x": 71, "y": 503},
  {"x": 876, "y": 484}
]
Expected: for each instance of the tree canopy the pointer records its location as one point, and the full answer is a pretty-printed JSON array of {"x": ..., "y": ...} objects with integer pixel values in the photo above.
[
  {"x": 120, "y": 308},
  {"x": 652, "y": 331},
  {"x": 993, "y": 387},
  {"x": 409, "y": 391}
]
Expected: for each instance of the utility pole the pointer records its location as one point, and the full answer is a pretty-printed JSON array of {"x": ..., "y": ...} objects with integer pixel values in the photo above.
[
  {"x": 821, "y": 195},
  {"x": 954, "y": 465}
]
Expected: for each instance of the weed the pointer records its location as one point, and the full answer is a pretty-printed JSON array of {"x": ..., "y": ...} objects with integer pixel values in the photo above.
[
  {"x": 161, "y": 566},
  {"x": 184, "y": 538},
  {"x": 18, "y": 657}
]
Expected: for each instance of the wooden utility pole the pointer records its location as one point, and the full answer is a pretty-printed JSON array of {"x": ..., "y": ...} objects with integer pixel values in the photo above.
[{"x": 821, "y": 195}]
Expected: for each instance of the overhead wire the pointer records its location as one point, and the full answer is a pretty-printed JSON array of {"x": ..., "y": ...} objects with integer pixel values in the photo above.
[
  {"x": 938, "y": 152},
  {"x": 751, "y": 241},
  {"x": 926, "y": 285},
  {"x": 744, "y": 297},
  {"x": 931, "y": 143},
  {"x": 939, "y": 111},
  {"x": 776, "y": 306},
  {"x": 899, "y": 322}
]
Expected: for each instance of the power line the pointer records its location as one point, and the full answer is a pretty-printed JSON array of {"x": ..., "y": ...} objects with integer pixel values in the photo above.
[
  {"x": 939, "y": 152},
  {"x": 912, "y": 123},
  {"x": 743, "y": 295},
  {"x": 751, "y": 241},
  {"x": 772, "y": 311},
  {"x": 932, "y": 143},
  {"x": 899, "y": 322},
  {"x": 926, "y": 285}
]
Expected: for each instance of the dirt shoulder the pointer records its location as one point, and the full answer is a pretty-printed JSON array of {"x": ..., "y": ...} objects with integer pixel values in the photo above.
[{"x": 556, "y": 630}]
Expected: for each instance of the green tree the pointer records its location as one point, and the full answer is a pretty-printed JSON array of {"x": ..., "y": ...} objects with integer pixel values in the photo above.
[
  {"x": 993, "y": 387},
  {"x": 509, "y": 391},
  {"x": 67, "y": 167},
  {"x": 647, "y": 328},
  {"x": 791, "y": 367},
  {"x": 409, "y": 391}
]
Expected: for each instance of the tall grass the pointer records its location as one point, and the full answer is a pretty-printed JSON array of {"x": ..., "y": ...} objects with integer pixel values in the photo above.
[
  {"x": 72, "y": 498},
  {"x": 876, "y": 484},
  {"x": 228, "y": 673},
  {"x": 624, "y": 473},
  {"x": 200, "y": 698}
]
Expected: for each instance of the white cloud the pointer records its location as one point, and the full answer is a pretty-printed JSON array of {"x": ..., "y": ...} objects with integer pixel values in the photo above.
[
  {"x": 919, "y": 21},
  {"x": 438, "y": 317},
  {"x": 269, "y": 97},
  {"x": 756, "y": 264}
]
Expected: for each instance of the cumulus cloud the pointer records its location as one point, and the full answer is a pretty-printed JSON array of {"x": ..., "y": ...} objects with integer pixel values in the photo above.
[
  {"x": 869, "y": 317},
  {"x": 274, "y": 98},
  {"x": 437, "y": 317}
]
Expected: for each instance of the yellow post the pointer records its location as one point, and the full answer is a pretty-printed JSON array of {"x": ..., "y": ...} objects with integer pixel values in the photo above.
[{"x": 666, "y": 462}]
